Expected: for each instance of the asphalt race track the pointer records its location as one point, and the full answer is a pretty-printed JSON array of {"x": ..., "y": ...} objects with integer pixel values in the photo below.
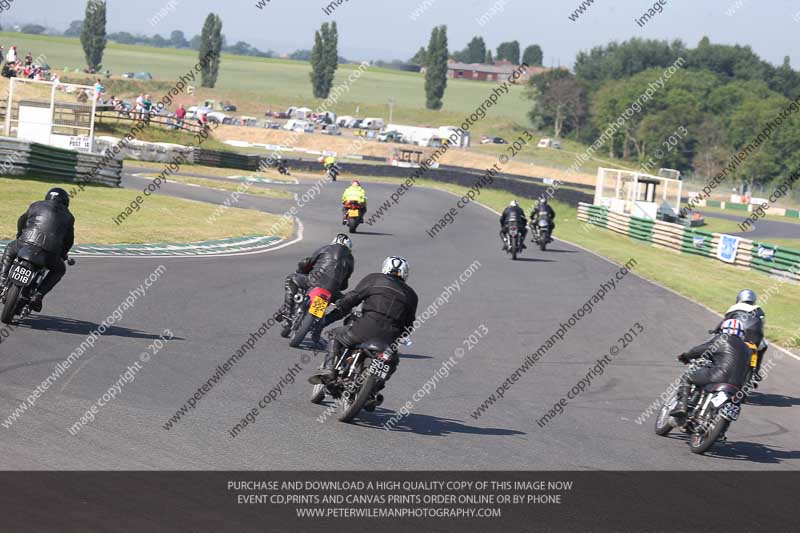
[
  {"x": 762, "y": 228},
  {"x": 213, "y": 304}
]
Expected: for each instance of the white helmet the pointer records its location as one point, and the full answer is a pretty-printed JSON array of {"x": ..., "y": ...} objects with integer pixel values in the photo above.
[
  {"x": 343, "y": 240},
  {"x": 396, "y": 266},
  {"x": 513, "y": 204}
]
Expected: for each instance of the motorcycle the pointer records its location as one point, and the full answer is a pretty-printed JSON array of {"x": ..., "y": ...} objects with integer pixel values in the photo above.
[
  {"x": 711, "y": 410},
  {"x": 541, "y": 233},
  {"x": 513, "y": 239},
  {"x": 359, "y": 374},
  {"x": 333, "y": 172},
  {"x": 352, "y": 215},
  {"x": 24, "y": 279},
  {"x": 309, "y": 309}
]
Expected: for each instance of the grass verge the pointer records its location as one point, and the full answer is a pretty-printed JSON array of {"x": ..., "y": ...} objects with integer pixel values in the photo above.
[{"x": 155, "y": 222}]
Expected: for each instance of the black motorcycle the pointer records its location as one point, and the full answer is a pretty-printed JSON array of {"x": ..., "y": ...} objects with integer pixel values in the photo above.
[
  {"x": 24, "y": 279},
  {"x": 513, "y": 239},
  {"x": 712, "y": 408},
  {"x": 541, "y": 233},
  {"x": 333, "y": 172},
  {"x": 309, "y": 309},
  {"x": 360, "y": 373}
]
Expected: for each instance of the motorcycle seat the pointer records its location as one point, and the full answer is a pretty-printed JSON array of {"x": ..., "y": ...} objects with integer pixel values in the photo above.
[
  {"x": 34, "y": 255},
  {"x": 373, "y": 346},
  {"x": 725, "y": 387}
]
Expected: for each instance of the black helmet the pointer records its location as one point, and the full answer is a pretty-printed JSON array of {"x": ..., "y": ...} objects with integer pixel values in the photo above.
[{"x": 58, "y": 195}]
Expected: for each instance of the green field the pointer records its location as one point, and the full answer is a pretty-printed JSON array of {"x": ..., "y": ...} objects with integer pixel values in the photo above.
[
  {"x": 278, "y": 81},
  {"x": 96, "y": 206}
]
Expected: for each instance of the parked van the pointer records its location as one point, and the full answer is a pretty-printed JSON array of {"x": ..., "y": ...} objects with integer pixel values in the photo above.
[{"x": 372, "y": 123}]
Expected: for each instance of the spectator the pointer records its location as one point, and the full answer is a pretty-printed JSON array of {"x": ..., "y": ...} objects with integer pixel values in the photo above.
[
  {"x": 11, "y": 57},
  {"x": 28, "y": 59},
  {"x": 83, "y": 96},
  {"x": 148, "y": 105},
  {"x": 98, "y": 90},
  {"x": 139, "y": 109},
  {"x": 180, "y": 115}
]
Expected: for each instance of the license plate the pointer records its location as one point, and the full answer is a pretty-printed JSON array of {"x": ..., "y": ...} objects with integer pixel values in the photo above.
[
  {"x": 754, "y": 360},
  {"x": 352, "y": 213},
  {"x": 21, "y": 275},
  {"x": 379, "y": 369},
  {"x": 513, "y": 230},
  {"x": 544, "y": 223},
  {"x": 318, "y": 306},
  {"x": 719, "y": 398}
]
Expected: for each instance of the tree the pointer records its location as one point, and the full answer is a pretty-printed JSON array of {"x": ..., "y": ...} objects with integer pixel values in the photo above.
[
  {"x": 559, "y": 102},
  {"x": 476, "y": 50},
  {"x": 33, "y": 29},
  {"x": 331, "y": 53},
  {"x": 489, "y": 59},
  {"x": 436, "y": 68},
  {"x": 178, "y": 40},
  {"x": 533, "y": 55},
  {"x": 210, "y": 48},
  {"x": 318, "y": 66},
  {"x": 623, "y": 60},
  {"x": 301, "y": 55},
  {"x": 508, "y": 51},
  {"x": 419, "y": 57},
  {"x": 324, "y": 59},
  {"x": 75, "y": 29},
  {"x": 93, "y": 34}
]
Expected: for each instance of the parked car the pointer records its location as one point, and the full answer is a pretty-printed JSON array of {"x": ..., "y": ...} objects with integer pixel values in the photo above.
[
  {"x": 390, "y": 137},
  {"x": 270, "y": 125},
  {"x": 230, "y": 108},
  {"x": 330, "y": 129},
  {"x": 549, "y": 143},
  {"x": 143, "y": 76},
  {"x": 492, "y": 140},
  {"x": 344, "y": 121},
  {"x": 219, "y": 117},
  {"x": 128, "y": 75},
  {"x": 356, "y": 123}
]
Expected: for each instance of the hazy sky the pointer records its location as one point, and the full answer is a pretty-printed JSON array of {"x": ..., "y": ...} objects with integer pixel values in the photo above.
[{"x": 384, "y": 29}]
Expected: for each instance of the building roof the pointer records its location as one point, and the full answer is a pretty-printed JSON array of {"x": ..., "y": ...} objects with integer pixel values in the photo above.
[{"x": 479, "y": 67}]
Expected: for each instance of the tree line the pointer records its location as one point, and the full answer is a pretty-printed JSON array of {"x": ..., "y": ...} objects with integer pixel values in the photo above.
[{"x": 720, "y": 99}]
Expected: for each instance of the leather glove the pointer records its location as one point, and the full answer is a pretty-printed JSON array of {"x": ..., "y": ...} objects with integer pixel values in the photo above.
[{"x": 682, "y": 358}]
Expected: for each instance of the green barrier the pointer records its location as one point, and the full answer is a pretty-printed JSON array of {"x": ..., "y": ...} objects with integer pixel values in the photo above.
[
  {"x": 793, "y": 213},
  {"x": 713, "y": 203},
  {"x": 641, "y": 229},
  {"x": 736, "y": 207},
  {"x": 773, "y": 259},
  {"x": 697, "y": 242},
  {"x": 598, "y": 215}
]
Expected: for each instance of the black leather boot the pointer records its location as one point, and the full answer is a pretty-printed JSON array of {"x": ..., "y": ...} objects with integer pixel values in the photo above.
[
  {"x": 326, "y": 372},
  {"x": 682, "y": 406}
]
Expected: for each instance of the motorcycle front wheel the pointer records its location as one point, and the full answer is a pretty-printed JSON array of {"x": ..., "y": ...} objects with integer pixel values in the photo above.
[
  {"x": 302, "y": 330},
  {"x": 663, "y": 421}
]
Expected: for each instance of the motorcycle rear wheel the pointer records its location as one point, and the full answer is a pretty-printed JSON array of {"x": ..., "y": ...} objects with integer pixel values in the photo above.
[
  {"x": 302, "y": 330},
  {"x": 318, "y": 394},
  {"x": 352, "y": 224},
  {"x": 10, "y": 307},
  {"x": 700, "y": 444},
  {"x": 352, "y": 406}
]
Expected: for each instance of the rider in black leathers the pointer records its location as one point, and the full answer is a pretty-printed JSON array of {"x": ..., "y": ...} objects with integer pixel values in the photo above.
[
  {"x": 729, "y": 355},
  {"x": 513, "y": 214},
  {"x": 753, "y": 320},
  {"x": 49, "y": 226},
  {"x": 388, "y": 311},
  {"x": 544, "y": 209},
  {"x": 330, "y": 268}
]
